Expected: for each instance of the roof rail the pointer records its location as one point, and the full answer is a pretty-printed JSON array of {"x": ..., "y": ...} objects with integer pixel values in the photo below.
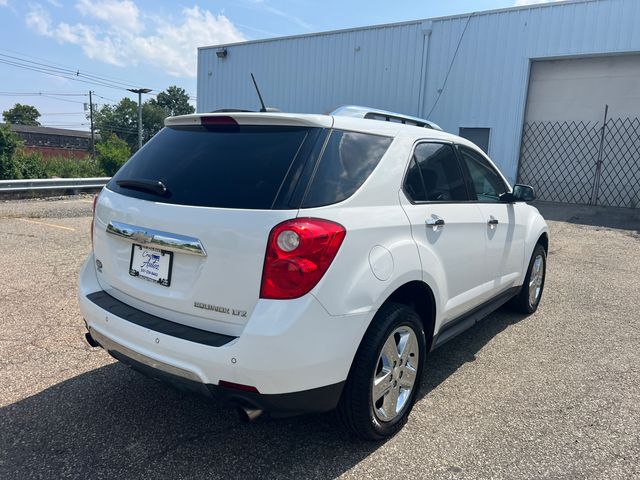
[{"x": 383, "y": 115}]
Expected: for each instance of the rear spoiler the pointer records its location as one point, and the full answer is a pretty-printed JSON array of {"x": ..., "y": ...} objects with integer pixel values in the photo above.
[{"x": 252, "y": 118}]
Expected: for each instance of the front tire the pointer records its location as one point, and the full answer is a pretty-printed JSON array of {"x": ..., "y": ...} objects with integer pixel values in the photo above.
[
  {"x": 385, "y": 375},
  {"x": 530, "y": 295}
]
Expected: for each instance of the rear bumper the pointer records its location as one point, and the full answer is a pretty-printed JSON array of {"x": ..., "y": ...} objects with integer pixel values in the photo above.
[
  {"x": 320, "y": 399},
  {"x": 294, "y": 353}
]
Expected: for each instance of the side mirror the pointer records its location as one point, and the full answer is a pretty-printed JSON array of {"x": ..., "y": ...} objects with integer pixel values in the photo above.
[
  {"x": 520, "y": 193},
  {"x": 523, "y": 193}
]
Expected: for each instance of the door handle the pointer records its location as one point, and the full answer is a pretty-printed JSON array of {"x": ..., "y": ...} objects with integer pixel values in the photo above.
[
  {"x": 493, "y": 222},
  {"x": 435, "y": 222}
]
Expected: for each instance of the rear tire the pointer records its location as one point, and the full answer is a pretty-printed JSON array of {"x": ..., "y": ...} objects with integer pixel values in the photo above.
[
  {"x": 388, "y": 365},
  {"x": 528, "y": 299}
]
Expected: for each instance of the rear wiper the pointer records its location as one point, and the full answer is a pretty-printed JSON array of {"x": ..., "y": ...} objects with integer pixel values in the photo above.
[{"x": 151, "y": 186}]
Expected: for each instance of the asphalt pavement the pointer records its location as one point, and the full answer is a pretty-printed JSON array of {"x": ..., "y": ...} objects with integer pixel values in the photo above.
[{"x": 552, "y": 395}]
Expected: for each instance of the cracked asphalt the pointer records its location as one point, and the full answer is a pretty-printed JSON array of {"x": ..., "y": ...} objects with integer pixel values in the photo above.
[{"x": 553, "y": 395}]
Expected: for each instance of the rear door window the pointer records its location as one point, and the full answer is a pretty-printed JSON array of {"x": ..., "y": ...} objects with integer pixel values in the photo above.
[
  {"x": 437, "y": 166},
  {"x": 216, "y": 166}
]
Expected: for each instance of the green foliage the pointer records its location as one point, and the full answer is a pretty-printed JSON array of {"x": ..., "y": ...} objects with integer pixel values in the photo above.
[
  {"x": 111, "y": 154},
  {"x": 22, "y": 115},
  {"x": 18, "y": 163},
  {"x": 28, "y": 165},
  {"x": 120, "y": 119},
  {"x": 174, "y": 100},
  {"x": 152, "y": 120},
  {"x": 64, "y": 167},
  {"x": 9, "y": 144}
]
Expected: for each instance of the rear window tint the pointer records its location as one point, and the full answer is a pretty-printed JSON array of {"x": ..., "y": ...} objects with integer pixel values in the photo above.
[
  {"x": 347, "y": 161},
  {"x": 227, "y": 167}
]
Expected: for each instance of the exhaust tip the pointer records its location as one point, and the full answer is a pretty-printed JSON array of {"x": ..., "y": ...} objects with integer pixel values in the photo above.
[
  {"x": 248, "y": 415},
  {"x": 90, "y": 340}
]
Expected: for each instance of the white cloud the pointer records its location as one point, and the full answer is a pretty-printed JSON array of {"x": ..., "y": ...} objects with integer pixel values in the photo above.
[
  {"x": 123, "y": 37},
  {"x": 38, "y": 19},
  {"x": 174, "y": 46},
  {"x": 520, "y": 3},
  {"x": 4, "y": 3},
  {"x": 119, "y": 14}
]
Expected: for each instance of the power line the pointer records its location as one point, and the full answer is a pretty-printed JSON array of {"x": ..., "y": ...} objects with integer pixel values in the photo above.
[
  {"x": 55, "y": 73},
  {"x": 31, "y": 94},
  {"x": 66, "y": 73},
  {"x": 49, "y": 68},
  {"x": 103, "y": 77}
]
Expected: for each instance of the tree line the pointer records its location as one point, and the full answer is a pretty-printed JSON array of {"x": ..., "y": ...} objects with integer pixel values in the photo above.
[{"x": 116, "y": 124}]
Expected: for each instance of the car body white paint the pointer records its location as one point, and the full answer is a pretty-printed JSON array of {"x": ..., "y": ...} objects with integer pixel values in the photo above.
[{"x": 294, "y": 345}]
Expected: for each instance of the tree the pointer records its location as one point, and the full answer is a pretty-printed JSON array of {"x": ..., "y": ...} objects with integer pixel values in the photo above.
[
  {"x": 174, "y": 100},
  {"x": 9, "y": 144},
  {"x": 111, "y": 154},
  {"x": 152, "y": 120},
  {"x": 121, "y": 119},
  {"x": 16, "y": 163},
  {"x": 22, "y": 115}
]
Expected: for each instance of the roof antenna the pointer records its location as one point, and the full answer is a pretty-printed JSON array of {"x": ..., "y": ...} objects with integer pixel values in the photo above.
[{"x": 255, "y": 84}]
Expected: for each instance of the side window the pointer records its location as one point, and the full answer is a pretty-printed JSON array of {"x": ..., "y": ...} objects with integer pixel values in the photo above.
[
  {"x": 488, "y": 185},
  {"x": 347, "y": 161},
  {"x": 436, "y": 165}
]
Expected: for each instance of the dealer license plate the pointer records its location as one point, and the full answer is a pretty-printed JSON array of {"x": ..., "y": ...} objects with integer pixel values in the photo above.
[{"x": 151, "y": 264}]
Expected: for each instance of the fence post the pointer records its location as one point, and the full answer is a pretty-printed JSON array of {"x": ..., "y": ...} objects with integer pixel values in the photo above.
[{"x": 596, "y": 178}]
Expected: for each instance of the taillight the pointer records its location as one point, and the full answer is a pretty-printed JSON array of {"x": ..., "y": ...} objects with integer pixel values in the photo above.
[
  {"x": 93, "y": 218},
  {"x": 299, "y": 252}
]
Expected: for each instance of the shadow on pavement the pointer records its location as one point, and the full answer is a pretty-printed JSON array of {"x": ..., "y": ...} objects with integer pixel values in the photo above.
[
  {"x": 114, "y": 423},
  {"x": 608, "y": 217}
]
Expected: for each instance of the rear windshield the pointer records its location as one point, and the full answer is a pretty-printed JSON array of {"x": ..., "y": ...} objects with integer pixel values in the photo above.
[
  {"x": 227, "y": 167},
  {"x": 252, "y": 166}
]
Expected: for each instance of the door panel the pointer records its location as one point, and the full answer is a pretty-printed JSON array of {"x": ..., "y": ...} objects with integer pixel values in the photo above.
[
  {"x": 504, "y": 243},
  {"x": 504, "y": 227},
  {"x": 447, "y": 228},
  {"x": 454, "y": 251}
]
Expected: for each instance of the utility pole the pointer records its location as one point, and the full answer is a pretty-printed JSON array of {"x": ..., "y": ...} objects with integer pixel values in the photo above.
[
  {"x": 93, "y": 138},
  {"x": 139, "y": 91}
]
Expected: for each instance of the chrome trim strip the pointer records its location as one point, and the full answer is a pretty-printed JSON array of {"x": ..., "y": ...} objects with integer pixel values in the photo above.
[
  {"x": 112, "y": 346},
  {"x": 157, "y": 238}
]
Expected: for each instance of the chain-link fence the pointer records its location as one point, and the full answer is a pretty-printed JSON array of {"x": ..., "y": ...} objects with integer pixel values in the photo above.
[{"x": 582, "y": 162}]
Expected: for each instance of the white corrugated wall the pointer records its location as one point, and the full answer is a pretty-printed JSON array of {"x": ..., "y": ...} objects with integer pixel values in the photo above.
[{"x": 403, "y": 67}]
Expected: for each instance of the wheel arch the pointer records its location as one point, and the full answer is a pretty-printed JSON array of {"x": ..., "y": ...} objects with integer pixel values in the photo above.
[
  {"x": 419, "y": 296},
  {"x": 544, "y": 241}
]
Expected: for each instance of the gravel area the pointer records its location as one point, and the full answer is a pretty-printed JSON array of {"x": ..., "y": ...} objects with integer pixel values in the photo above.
[{"x": 553, "y": 395}]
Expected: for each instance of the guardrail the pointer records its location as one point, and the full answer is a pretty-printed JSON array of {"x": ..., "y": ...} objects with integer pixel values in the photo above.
[{"x": 50, "y": 186}]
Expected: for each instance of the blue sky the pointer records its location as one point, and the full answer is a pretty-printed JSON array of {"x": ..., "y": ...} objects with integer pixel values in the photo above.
[{"x": 152, "y": 44}]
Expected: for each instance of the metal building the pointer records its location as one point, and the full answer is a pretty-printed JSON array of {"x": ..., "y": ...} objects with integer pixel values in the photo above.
[{"x": 527, "y": 84}]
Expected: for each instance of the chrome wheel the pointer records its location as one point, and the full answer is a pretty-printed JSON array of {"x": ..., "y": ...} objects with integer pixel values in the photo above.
[
  {"x": 395, "y": 374},
  {"x": 535, "y": 280}
]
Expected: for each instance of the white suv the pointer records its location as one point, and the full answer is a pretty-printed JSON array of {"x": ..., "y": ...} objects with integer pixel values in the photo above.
[{"x": 293, "y": 263}]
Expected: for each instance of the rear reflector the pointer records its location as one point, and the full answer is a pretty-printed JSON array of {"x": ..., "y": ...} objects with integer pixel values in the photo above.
[
  {"x": 237, "y": 386},
  {"x": 218, "y": 120}
]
